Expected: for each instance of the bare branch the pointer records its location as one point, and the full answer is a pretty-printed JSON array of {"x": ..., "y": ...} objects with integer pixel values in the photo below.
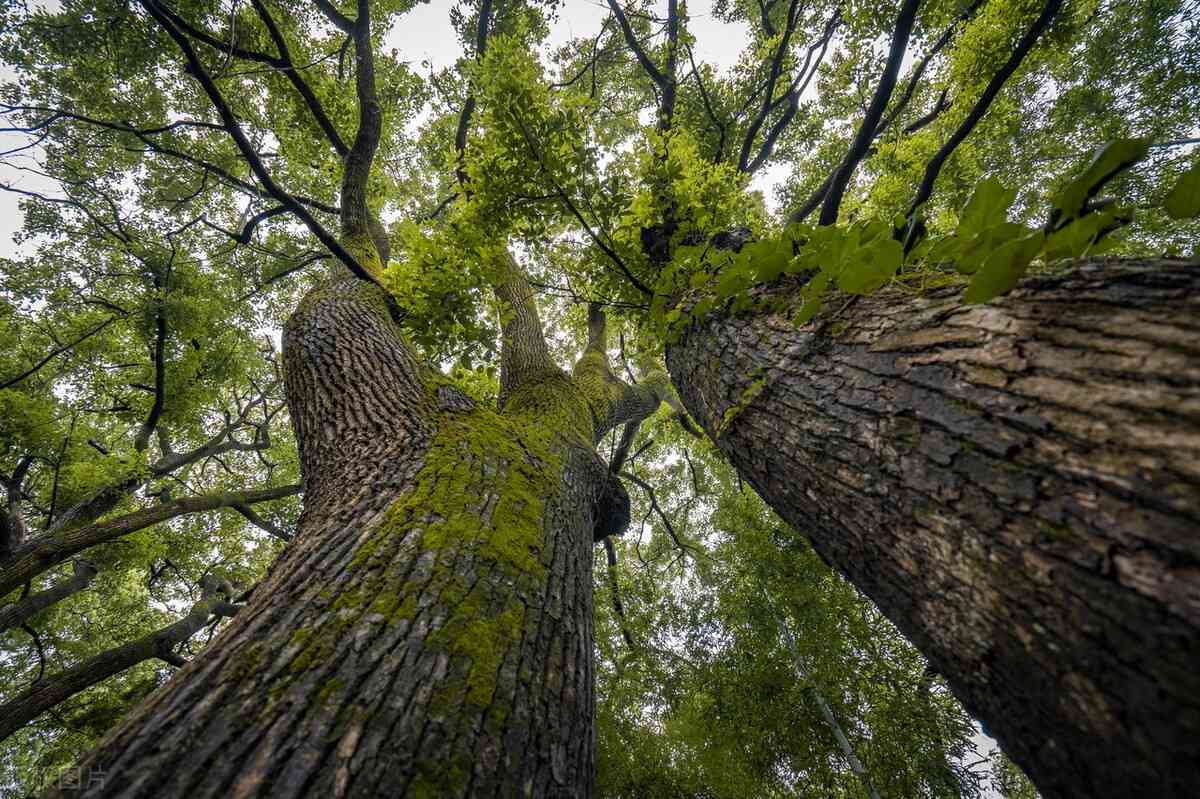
[
  {"x": 879, "y": 102},
  {"x": 19, "y": 613},
  {"x": 233, "y": 128},
  {"x": 635, "y": 46},
  {"x": 48, "y": 550},
  {"x": 934, "y": 167}
]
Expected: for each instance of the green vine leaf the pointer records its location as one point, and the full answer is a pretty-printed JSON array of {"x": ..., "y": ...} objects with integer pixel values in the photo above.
[
  {"x": 987, "y": 207},
  {"x": 1112, "y": 159},
  {"x": 1003, "y": 268},
  {"x": 1184, "y": 200}
]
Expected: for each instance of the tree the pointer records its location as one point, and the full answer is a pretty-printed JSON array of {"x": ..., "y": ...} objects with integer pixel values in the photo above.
[{"x": 429, "y": 626}]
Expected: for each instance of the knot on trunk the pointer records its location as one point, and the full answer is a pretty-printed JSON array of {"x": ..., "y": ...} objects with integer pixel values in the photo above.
[{"x": 612, "y": 512}]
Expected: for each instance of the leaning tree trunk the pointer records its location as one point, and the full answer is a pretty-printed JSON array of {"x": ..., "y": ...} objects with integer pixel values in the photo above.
[
  {"x": 428, "y": 633},
  {"x": 1017, "y": 485}
]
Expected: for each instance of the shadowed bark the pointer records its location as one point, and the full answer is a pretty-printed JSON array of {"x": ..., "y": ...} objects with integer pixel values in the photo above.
[{"x": 1015, "y": 485}]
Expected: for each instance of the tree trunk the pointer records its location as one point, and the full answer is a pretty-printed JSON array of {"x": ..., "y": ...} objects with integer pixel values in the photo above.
[
  {"x": 428, "y": 632},
  {"x": 1017, "y": 485}
]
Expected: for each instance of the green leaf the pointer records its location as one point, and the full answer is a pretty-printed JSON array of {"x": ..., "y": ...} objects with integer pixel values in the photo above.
[
  {"x": 871, "y": 266},
  {"x": 814, "y": 296},
  {"x": 1074, "y": 240},
  {"x": 1184, "y": 200},
  {"x": 987, "y": 207},
  {"x": 1109, "y": 161},
  {"x": 769, "y": 258},
  {"x": 974, "y": 251},
  {"x": 1003, "y": 268}
]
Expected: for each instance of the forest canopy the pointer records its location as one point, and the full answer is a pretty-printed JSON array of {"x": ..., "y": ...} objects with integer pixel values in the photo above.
[{"x": 600, "y": 178}]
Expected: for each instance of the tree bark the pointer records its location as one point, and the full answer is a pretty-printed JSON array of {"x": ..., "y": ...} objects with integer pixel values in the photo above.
[
  {"x": 428, "y": 632},
  {"x": 1017, "y": 485}
]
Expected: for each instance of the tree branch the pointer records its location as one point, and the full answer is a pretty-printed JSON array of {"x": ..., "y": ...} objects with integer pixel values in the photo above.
[
  {"x": 635, "y": 46},
  {"x": 288, "y": 68},
  {"x": 879, "y": 102},
  {"x": 56, "y": 352},
  {"x": 46, "y": 694},
  {"x": 19, "y": 613},
  {"x": 49, "y": 550},
  {"x": 934, "y": 167},
  {"x": 464, "y": 119},
  {"x": 229, "y": 120}
]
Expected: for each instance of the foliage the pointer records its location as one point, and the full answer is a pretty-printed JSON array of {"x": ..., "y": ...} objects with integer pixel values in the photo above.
[{"x": 710, "y": 700}]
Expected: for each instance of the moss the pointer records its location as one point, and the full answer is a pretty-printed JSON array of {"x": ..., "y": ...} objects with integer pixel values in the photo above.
[
  {"x": 757, "y": 385},
  {"x": 362, "y": 247},
  {"x": 483, "y": 639},
  {"x": 480, "y": 492},
  {"x": 246, "y": 663},
  {"x": 435, "y": 780},
  {"x": 328, "y": 690},
  {"x": 1058, "y": 533}
]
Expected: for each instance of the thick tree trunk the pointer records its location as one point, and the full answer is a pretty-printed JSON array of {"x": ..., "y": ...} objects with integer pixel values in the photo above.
[
  {"x": 428, "y": 633},
  {"x": 1017, "y": 485}
]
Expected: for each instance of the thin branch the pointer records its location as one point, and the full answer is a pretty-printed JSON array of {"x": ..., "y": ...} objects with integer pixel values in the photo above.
[
  {"x": 234, "y": 129},
  {"x": 934, "y": 167},
  {"x": 919, "y": 70},
  {"x": 58, "y": 351},
  {"x": 44, "y": 695},
  {"x": 792, "y": 96},
  {"x": 18, "y": 613},
  {"x": 48, "y": 550},
  {"x": 340, "y": 20},
  {"x": 464, "y": 119},
  {"x": 635, "y": 46},
  {"x": 608, "y": 251},
  {"x": 670, "y": 528},
  {"x": 615, "y": 592},
  {"x": 293, "y": 75},
  {"x": 142, "y": 440},
  {"x": 258, "y": 521},
  {"x": 776, "y": 69},
  {"x": 879, "y": 102}
]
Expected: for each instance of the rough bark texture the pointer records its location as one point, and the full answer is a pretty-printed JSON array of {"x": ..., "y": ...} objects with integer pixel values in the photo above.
[
  {"x": 1017, "y": 485},
  {"x": 428, "y": 632}
]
